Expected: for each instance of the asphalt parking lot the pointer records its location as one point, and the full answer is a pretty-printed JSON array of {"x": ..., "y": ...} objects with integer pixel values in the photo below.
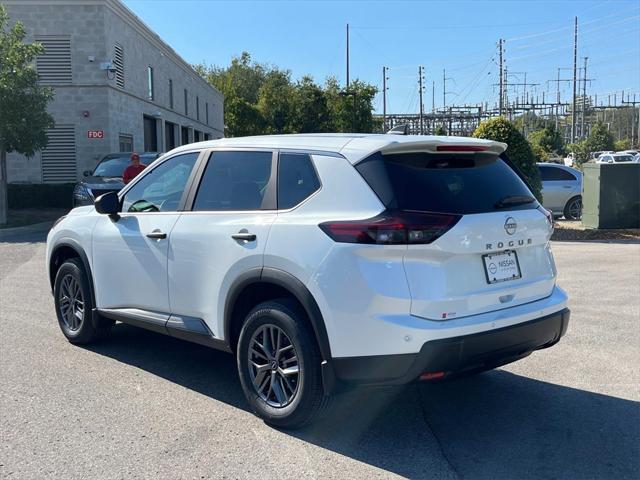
[{"x": 146, "y": 406}]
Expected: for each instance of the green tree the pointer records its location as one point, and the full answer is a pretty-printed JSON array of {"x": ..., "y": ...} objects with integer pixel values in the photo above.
[
  {"x": 540, "y": 153},
  {"x": 548, "y": 139},
  {"x": 581, "y": 153},
  {"x": 623, "y": 144},
  {"x": 351, "y": 110},
  {"x": 259, "y": 98},
  {"x": 23, "y": 103},
  {"x": 240, "y": 84},
  {"x": 311, "y": 111},
  {"x": 275, "y": 101},
  {"x": 599, "y": 138},
  {"x": 441, "y": 130},
  {"x": 518, "y": 148}
]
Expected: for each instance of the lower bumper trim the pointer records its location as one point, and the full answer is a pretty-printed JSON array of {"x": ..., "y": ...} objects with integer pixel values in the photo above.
[{"x": 457, "y": 355}]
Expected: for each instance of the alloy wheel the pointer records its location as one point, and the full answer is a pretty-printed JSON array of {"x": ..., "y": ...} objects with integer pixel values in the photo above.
[
  {"x": 273, "y": 366},
  {"x": 575, "y": 209},
  {"x": 71, "y": 303}
]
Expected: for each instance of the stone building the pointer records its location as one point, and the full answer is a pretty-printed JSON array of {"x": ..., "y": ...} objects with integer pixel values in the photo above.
[{"x": 118, "y": 88}]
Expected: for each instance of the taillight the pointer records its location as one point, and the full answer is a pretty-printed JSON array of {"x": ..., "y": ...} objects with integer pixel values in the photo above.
[
  {"x": 392, "y": 228},
  {"x": 549, "y": 216}
]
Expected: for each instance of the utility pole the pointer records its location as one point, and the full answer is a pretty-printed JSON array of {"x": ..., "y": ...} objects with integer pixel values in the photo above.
[
  {"x": 575, "y": 73},
  {"x": 558, "y": 100},
  {"x": 501, "y": 80},
  {"x": 347, "y": 56},
  {"x": 433, "y": 96},
  {"x": 505, "y": 82},
  {"x": 525, "y": 98},
  {"x": 444, "y": 89},
  {"x": 584, "y": 98},
  {"x": 421, "y": 104},
  {"x": 384, "y": 99}
]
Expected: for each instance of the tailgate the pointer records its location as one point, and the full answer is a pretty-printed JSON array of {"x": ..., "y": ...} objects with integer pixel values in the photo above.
[{"x": 450, "y": 279}]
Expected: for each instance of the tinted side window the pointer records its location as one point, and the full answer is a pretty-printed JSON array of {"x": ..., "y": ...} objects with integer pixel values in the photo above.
[
  {"x": 550, "y": 174},
  {"x": 160, "y": 189},
  {"x": 234, "y": 181},
  {"x": 297, "y": 179}
]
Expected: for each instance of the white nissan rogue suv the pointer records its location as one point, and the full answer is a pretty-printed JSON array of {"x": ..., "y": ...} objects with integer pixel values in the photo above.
[{"x": 320, "y": 261}]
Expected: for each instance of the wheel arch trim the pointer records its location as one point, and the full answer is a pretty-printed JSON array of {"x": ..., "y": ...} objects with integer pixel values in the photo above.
[
  {"x": 75, "y": 246},
  {"x": 287, "y": 281},
  {"x": 302, "y": 294}
]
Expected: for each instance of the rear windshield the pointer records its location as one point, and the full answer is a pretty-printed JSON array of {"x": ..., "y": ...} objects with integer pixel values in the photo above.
[{"x": 446, "y": 183}]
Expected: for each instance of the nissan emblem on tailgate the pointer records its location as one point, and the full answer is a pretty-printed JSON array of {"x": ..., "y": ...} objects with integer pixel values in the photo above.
[{"x": 510, "y": 225}]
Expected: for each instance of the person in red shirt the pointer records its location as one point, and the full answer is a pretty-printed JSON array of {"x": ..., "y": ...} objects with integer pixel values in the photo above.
[{"x": 133, "y": 169}]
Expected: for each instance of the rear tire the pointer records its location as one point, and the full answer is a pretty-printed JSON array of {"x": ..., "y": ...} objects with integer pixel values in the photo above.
[
  {"x": 283, "y": 385},
  {"x": 573, "y": 208},
  {"x": 74, "y": 305}
]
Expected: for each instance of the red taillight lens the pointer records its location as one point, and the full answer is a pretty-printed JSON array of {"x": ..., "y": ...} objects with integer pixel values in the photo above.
[
  {"x": 460, "y": 148},
  {"x": 392, "y": 228}
]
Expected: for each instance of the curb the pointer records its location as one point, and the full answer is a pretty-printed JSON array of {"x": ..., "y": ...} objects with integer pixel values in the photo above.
[{"x": 33, "y": 228}]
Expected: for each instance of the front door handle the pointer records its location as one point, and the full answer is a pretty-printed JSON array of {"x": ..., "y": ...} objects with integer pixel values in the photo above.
[
  {"x": 249, "y": 237},
  {"x": 157, "y": 235}
]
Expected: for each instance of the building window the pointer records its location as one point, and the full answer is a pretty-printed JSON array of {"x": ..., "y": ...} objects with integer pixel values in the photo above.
[
  {"x": 171, "y": 94},
  {"x": 169, "y": 136},
  {"x": 118, "y": 62},
  {"x": 198, "y": 108},
  {"x": 54, "y": 65},
  {"x": 150, "y": 83},
  {"x": 150, "y": 134},
  {"x": 184, "y": 135},
  {"x": 197, "y": 136},
  {"x": 186, "y": 102},
  {"x": 206, "y": 112},
  {"x": 126, "y": 142}
]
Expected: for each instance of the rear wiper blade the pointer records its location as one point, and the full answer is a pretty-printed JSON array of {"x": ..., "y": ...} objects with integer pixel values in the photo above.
[{"x": 513, "y": 200}]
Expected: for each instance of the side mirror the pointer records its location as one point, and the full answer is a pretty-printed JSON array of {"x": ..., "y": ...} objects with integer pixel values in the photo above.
[
  {"x": 108, "y": 204},
  {"x": 87, "y": 173}
]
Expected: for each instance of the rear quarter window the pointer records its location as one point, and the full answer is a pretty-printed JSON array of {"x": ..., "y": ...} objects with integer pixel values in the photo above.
[
  {"x": 297, "y": 179},
  {"x": 444, "y": 183}
]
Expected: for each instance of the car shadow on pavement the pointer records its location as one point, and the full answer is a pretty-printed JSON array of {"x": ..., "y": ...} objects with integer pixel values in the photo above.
[{"x": 497, "y": 425}]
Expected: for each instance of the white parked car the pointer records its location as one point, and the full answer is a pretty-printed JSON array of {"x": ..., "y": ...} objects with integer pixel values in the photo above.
[
  {"x": 561, "y": 190},
  {"x": 615, "y": 158},
  {"x": 319, "y": 261}
]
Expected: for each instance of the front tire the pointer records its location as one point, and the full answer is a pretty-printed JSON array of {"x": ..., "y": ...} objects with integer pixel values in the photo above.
[
  {"x": 573, "y": 209},
  {"x": 279, "y": 365},
  {"x": 74, "y": 305}
]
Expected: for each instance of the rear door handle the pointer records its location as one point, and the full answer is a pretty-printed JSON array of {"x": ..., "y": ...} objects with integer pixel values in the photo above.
[
  {"x": 157, "y": 234},
  {"x": 249, "y": 237}
]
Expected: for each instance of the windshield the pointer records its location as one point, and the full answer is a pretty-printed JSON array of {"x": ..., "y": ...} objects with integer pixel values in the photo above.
[
  {"x": 623, "y": 158},
  {"x": 114, "y": 166}
]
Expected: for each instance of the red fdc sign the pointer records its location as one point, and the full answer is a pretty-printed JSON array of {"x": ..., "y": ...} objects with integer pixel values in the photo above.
[{"x": 95, "y": 133}]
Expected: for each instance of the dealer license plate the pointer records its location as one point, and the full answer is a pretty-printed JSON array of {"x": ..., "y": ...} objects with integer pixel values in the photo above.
[{"x": 501, "y": 267}]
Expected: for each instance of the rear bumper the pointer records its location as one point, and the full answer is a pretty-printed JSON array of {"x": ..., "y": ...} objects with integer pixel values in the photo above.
[{"x": 457, "y": 355}]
